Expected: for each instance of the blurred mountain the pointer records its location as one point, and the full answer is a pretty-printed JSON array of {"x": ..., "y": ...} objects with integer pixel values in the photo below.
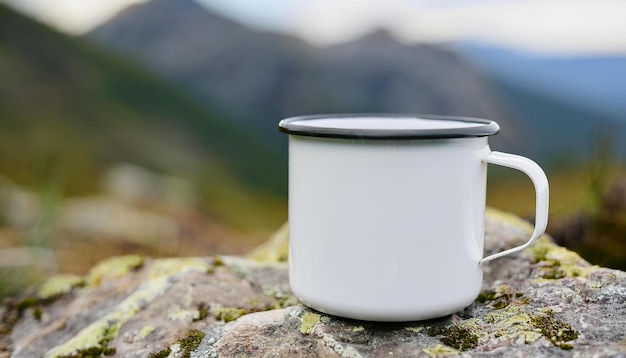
[
  {"x": 595, "y": 82},
  {"x": 68, "y": 112},
  {"x": 567, "y": 100},
  {"x": 261, "y": 77}
]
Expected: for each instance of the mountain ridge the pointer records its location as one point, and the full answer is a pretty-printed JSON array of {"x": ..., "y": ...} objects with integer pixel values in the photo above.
[{"x": 262, "y": 77}]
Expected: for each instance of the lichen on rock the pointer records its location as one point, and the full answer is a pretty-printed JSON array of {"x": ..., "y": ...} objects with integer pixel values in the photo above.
[
  {"x": 309, "y": 321},
  {"x": 541, "y": 302},
  {"x": 440, "y": 351},
  {"x": 59, "y": 285},
  {"x": 100, "y": 332},
  {"x": 113, "y": 267},
  {"x": 228, "y": 314},
  {"x": 555, "y": 262}
]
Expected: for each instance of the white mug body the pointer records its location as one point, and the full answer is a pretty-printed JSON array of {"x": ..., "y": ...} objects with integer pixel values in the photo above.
[
  {"x": 386, "y": 230},
  {"x": 386, "y": 212}
]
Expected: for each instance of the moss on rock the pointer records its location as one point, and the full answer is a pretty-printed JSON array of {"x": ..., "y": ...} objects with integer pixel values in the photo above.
[
  {"x": 460, "y": 338},
  {"x": 191, "y": 342},
  {"x": 556, "y": 331},
  {"x": 161, "y": 354},
  {"x": 228, "y": 314},
  {"x": 203, "y": 312}
]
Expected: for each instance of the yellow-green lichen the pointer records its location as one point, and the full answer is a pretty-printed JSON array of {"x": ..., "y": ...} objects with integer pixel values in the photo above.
[
  {"x": 144, "y": 332},
  {"x": 555, "y": 262},
  {"x": 59, "y": 285},
  {"x": 309, "y": 321},
  {"x": 358, "y": 329},
  {"x": 173, "y": 266},
  {"x": 512, "y": 324},
  {"x": 500, "y": 315},
  {"x": 101, "y": 331},
  {"x": 474, "y": 325},
  {"x": 440, "y": 351},
  {"x": 414, "y": 329},
  {"x": 114, "y": 267},
  {"x": 92, "y": 339},
  {"x": 228, "y": 314},
  {"x": 283, "y": 299},
  {"x": 106, "y": 328},
  {"x": 517, "y": 328},
  {"x": 521, "y": 327}
]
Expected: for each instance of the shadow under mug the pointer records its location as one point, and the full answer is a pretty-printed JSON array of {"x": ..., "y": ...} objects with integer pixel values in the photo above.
[{"x": 386, "y": 212}]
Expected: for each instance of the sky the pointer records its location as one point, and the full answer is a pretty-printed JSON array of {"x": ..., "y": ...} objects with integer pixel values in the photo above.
[{"x": 548, "y": 26}]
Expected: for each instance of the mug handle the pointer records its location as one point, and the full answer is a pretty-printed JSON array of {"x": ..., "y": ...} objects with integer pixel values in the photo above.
[{"x": 540, "y": 181}]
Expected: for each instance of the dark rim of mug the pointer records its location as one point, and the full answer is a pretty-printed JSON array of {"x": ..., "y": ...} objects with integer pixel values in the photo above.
[{"x": 292, "y": 126}]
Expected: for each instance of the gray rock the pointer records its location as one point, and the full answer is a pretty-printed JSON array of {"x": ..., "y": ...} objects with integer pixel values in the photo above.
[{"x": 543, "y": 302}]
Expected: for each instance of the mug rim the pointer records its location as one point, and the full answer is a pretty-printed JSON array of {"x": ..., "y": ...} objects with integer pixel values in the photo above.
[{"x": 484, "y": 128}]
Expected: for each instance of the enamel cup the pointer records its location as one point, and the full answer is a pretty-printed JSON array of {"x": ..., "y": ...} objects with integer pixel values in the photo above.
[{"x": 386, "y": 212}]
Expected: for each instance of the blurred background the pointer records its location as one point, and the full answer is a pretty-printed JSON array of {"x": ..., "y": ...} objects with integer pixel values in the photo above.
[{"x": 130, "y": 126}]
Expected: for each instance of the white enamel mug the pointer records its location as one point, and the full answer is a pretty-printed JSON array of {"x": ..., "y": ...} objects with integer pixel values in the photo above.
[{"x": 386, "y": 212}]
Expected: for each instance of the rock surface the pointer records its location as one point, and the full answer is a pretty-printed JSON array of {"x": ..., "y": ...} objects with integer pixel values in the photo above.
[{"x": 545, "y": 301}]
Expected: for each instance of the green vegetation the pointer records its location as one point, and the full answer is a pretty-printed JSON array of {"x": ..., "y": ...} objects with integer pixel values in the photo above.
[
  {"x": 69, "y": 111},
  {"x": 587, "y": 210}
]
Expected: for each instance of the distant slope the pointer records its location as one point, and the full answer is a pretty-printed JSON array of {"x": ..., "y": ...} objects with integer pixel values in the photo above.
[
  {"x": 566, "y": 102},
  {"x": 68, "y": 111},
  {"x": 594, "y": 82},
  {"x": 263, "y": 77}
]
